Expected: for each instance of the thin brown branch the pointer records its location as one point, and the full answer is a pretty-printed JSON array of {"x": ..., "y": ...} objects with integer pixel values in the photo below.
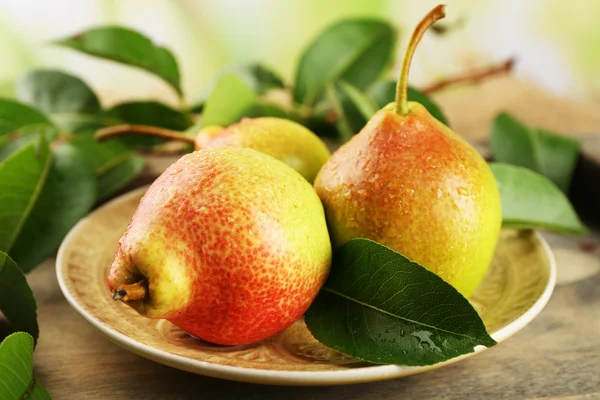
[
  {"x": 471, "y": 77},
  {"x": 143, "y": 130}
]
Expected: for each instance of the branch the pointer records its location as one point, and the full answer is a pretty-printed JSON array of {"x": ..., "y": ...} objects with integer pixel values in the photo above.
[{"x": 474, "y": 77}]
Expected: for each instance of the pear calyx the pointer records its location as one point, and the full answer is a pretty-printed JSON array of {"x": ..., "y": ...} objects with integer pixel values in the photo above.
[{"x": 132, "y": 292}]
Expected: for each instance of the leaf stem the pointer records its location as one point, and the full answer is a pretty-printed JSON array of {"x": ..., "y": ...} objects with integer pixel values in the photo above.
[
  {"x": 435, "y": 14},
  {"x": 143, "y": 130}
]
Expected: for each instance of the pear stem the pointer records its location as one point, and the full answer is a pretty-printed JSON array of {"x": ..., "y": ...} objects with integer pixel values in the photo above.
[
  {"x": 143, "y": 130},
  {"x": 435, "y": 14},
  {"x": 132, "y": 292}
]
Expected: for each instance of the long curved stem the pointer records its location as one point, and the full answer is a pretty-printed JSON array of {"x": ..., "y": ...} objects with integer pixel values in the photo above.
[
  {"x": 435, "y": 14},
  {"x": 144, "y": 130}
]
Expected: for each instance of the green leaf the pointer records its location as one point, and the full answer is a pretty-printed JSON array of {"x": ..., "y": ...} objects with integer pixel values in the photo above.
[
  {"x": 67, "y": 196},
  {"x": 24, "y": 136},
  {"x": 147, "y": 113},
  {"x": 228, "y": 102},
  {"x": 114, "y": 164},
  {"x": 380, "y": 307},
  {"x": 16, "y": 369},
  {"x": 16, "y": 299},
  {"x": 128, "y": 47},
  {"x": 119, "y": 175},
  {"x": 37, "y": 392},
  {"x": 354, "y": 108},
  {"x": 530, "y": 201},
  {"x": 384, "y": 92},
  {"x": 547, "y": 153},
  {"x": 258, "y": 78},
  {"x": 16, "y": 365},
  {"x": 355, "y": 51},
  {"x": 15, "y": 115},
  {"x": 67, "y": 99},
  {"x": 22, "y": 177}
]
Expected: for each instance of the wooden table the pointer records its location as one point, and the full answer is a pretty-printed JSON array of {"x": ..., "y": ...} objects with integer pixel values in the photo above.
[{"x": 557, "y": 356}]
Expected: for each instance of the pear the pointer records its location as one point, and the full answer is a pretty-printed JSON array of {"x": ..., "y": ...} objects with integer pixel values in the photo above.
[
  {"x": 281, "y": 138},
  {"x": 229, "y": 244},
  {"x": 411, "y": 183}
]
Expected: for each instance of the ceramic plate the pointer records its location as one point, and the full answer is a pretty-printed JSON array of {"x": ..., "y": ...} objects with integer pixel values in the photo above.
[{"x": 515, "y": 290}]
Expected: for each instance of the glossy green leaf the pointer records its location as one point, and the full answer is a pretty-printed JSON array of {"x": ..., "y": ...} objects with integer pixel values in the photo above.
[
  {"x": 147, "y": 113},
  {"x": 356, "y": 51},
  {"x": 15, "y": 115},
  {"x": 384, "y": 92},
  {"x": 531, "y": 201},
  {"x": 128, "y": 47},
  {"x": 16, "y": 299},
  {"x": 22, "y": 177},
  {"x": 68, "y": 100},
  {"x": 258, "y": 78},
  {"x": 118, "y": 175},
  {"x": 356, "y": 107},
  {"x": 114, "y": 164},
  {"x": 380, "y": 307},
  {"x": 228, "y": 102},
  {"x": 24, "y": 136},
  {"x": 547, "y": 153},
  {"x": 67, "y": 196},
  {"x": 17, "y": 381},
  {"x": 16, "y": 366}
]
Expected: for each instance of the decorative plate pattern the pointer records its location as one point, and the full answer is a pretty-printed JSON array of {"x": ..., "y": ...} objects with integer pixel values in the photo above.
[{"x": 516, "y": 288}]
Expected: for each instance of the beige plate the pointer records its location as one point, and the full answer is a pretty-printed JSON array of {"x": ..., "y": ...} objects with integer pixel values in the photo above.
[{"x": 515, "y": 290}]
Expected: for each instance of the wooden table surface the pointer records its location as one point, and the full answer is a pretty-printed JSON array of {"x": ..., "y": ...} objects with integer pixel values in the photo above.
[{"x": 557, "y": 356}]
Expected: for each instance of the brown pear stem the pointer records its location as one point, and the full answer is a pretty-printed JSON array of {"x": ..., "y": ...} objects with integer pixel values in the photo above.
[
  {"x": 435, "y": 14},
  {"x": 144, "y": 130},
  {"x": 132, "y": 292},
  {"x": 475, "y": 76}
]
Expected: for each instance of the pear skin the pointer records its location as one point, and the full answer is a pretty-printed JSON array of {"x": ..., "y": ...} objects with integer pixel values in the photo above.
[
  {"x": 229, "y": 244},
  {"x": 281, "y": 138},
  {"x": 417, "y": 187}
]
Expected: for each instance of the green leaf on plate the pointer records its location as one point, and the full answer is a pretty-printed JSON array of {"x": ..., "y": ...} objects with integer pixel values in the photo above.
[
  {"x": 147, "y": 113},
  {"x": 384, "y": 92},
  {"x": 355, "y": 51},
  {"x": 15, "y": 115},
  {"x": 67, "y": 196},
  {"x": 67, "y": 99},
  {"x": 16, "y": 369},
  {"x": 22, "y": 177},
  {"x": 380, "y": 307},
  {"x": 530, "y": 201},
  {"x": 547, "y": 153},
  {"x": 114, "y": 164},
  {"x": 16, "y": 299},
  {"x": 128, "y": 47},
  {"x": 228, "y": 102}
]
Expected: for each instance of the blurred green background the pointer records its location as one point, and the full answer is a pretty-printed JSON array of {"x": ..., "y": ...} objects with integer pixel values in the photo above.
[{"x": 556, "y": 42}]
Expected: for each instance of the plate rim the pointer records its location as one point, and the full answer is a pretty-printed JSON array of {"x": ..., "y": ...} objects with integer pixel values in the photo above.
[{"x": 281, "y": 377}]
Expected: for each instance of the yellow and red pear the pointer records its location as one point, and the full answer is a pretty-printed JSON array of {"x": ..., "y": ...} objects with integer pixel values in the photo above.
[
  {"x": 411, "y": 183},
  {"x": 229, "y": 244}
]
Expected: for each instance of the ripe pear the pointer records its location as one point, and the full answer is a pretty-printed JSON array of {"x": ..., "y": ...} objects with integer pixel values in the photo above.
[
  {"x": 281, "y": 138},
  {"x": 229, "y": 244},
  {"x": 409, "y": 182}
]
